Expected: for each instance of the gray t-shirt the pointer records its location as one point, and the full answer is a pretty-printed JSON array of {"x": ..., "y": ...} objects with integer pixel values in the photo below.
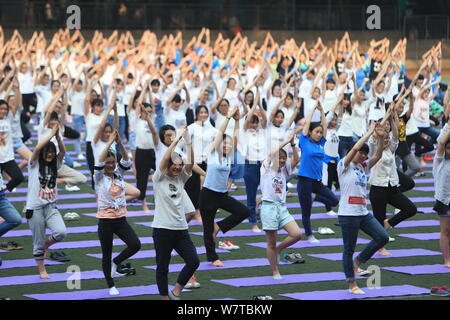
[
  {"x": 169, "y": 204},
  {"x": 441, "y": 174}
]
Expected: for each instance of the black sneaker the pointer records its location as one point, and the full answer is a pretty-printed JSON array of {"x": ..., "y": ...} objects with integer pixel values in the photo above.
[
  {"x": 293, "y": 258},
  {"x": 125, "y": 270},
  {"x": 59, "y": 256},
  {"x": 262, "y": 298}
]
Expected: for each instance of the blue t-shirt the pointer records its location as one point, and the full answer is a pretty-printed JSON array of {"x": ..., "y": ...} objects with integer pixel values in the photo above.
[
  {"x": 218, "y": 172},
  {"x": 313, "y": 154}
]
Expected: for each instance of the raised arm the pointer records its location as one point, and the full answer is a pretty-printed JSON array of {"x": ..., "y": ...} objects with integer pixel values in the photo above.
[
  {"x": 219, "y": 136},
  {"x": 102, "y": 157},
  {"x": 164, "y": 164},
  {"x": 351, "y": 154},
  {"x": 309, "y": 119},
  {"x": 43, "y": 142}
]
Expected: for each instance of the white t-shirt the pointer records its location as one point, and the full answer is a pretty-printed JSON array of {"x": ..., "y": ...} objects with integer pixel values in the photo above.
[
  {"x": 201, "y": 136},
  {"x": 309, "y": 103},
  {"x": 359, "y": 118},
  {"x": 176, "y": 118},
  {"x": 44, "y": 132},
  {"x": 26, "y": 82},
  {"x": 6, "y": 143},
  {"x": 353, "y": 182},
  {"x": 43, "y": 96},
  {"x": 15, "y": 123},
  {"x": 41, "y": 191},
  {"x": 169, "y": 201},
  {"x": 330, "y": 99},
  {"x": 97, "y": 148},
  {"x": 254, "y": 144},
  {"x": 273, "y": 183},
  {"x": 377, "y": 107},
  {"x": 77, "y": 102},
  {"x": 276, "y": 136},
  {"x": 92, "y": 123},
  {"x": 144, "y": 138},
  {"x": 345, "y": 129}
]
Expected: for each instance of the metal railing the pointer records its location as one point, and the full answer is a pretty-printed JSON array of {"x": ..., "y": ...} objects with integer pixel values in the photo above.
[
  {"x": 427, "y": 27},
  {"x": 287, "y": 15}
]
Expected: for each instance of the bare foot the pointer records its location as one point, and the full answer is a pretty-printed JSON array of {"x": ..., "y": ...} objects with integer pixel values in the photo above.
[
  {"x": 447, "y": 264},
  {"x": 216, "y": 231},
  {"x": 256, "y": 229},
  {"x": 218, "y": 263},
  {"x": 44, "y": 275},
  {"x": 145, "y": 209},
  {"x": 384, "y": 252},
  {"x": 387, "y": 226}
]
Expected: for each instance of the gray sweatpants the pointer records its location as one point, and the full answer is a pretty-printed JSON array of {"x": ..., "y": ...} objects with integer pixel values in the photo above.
[
  {"x": 46, "y": 217},
  {"x": 412, "y": 163}
]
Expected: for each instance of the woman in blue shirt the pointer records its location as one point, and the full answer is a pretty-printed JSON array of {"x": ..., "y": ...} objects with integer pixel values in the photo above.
[
  {"x": 214, "y": 194},
  {"x": 312, "y": 143}
]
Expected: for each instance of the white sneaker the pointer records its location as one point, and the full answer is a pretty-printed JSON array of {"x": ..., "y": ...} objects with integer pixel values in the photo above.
[
  {"x": 233, "y": 187},
  {"x": 81, "y": 157},
  {"x": 357, "y": 291},
  {"x": 391, "y": 239},
  {"x": 360, "y": 272},
  {"x": 313, "y": 240},
  {"x": 113, "y": 291},
  {"x": 113, "y": 269},
  {"x": 71, "y": 216},
  {"x": 332, "y": 213},
  {"x": 333, "y": 188},
  {"x": 76, "y": 164},
  {"x": 73, "y": 188},
  {"x": 291, "y": 186},
  {"x": 223, "y": 245},
  {"x": 397, "y": 211}
]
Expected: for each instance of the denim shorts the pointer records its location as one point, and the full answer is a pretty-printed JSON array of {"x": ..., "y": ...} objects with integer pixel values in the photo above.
[
  {"x": 274, "y": 216},
  {"x": 442, "y": 209},
  {"x": 18, "y": 144}
]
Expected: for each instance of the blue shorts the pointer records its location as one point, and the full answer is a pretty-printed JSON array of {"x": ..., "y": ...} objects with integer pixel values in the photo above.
[
  {"x": 237, "y": 167},
  {"x": 18, "y": 144},
  {"x": 274, "y": 216},
  {"x": 442, "y": 209}
]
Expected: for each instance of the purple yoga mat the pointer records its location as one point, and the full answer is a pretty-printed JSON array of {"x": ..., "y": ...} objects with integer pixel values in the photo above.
[
  {"x": 25, "y": 263},
  {"x": 421, "y": 236},
  {"x": 242, "y": 233},
  {"x": 23, "y": 233},
  {"x": 229, "y": 264},
  {"x": 402, "y": 253},
  {"x": 94, "y": 243},
  {"x": 54, "y": 277},
  {"x": 392, "y": 291},
  {"x": 424, "y": 269},
  {"x": 424, "y": 189},
  {"x": 424, "y": 181},
  {"x": 287, "y": 279},
  {"x": 143, "y": 254},
  {"x": 418, "y": 223},
  {"x": 97, "y": 294},
  {"x": 306, "y": 244}
]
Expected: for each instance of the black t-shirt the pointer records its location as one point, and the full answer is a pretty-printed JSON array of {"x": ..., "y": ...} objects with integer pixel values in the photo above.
[
  {"x": 340, "y": 66},
  {"x": 375, "y": 68},
  {"x": 403, "y": 147}
]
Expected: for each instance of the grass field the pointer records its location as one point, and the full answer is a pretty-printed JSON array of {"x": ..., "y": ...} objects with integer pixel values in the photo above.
[{"x": 212, "y": 290}]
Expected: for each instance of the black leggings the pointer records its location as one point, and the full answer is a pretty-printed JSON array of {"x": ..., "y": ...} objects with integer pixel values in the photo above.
[
  {"x": 192, "y": 186},
  {"x": 332, "y": 178},
  {"x": 90, "y": 161},
  {"x": 29, "y": 102},
  {"x": 71, "y": 133},
  {"x": 179, "y": 240},
  {"x": 380, "y": 197},
  {"x": 422, "y": 145},
  {"x": 210, "y": 201},
  {"x": 13, "y": 170},
  {"x": 406, "y": 182},
  {"x": 107, "y": 228},
  {"x": 145, "y": 160}
]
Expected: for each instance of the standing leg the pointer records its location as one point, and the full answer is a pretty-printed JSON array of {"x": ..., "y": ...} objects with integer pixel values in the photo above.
[
  {"x": 186, "y": 249},
  {"x": 142, "y": 164},
  {"x": 350, "y": 228},
  {"x": 304, "y": 190},
  {"x": 252, "y": 179},
  {"x": 105, "y": 235},
  {"x": 208, "y": 205},
  {"x": 37, "y": 227},
  {"x": 379, "y": 198},
  {"x": 164, "y": 244},
  {"x": 444, "y": 239}
]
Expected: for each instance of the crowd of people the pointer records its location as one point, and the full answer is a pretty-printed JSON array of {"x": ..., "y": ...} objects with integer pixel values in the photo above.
[{"x": 198, "y": 116}]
